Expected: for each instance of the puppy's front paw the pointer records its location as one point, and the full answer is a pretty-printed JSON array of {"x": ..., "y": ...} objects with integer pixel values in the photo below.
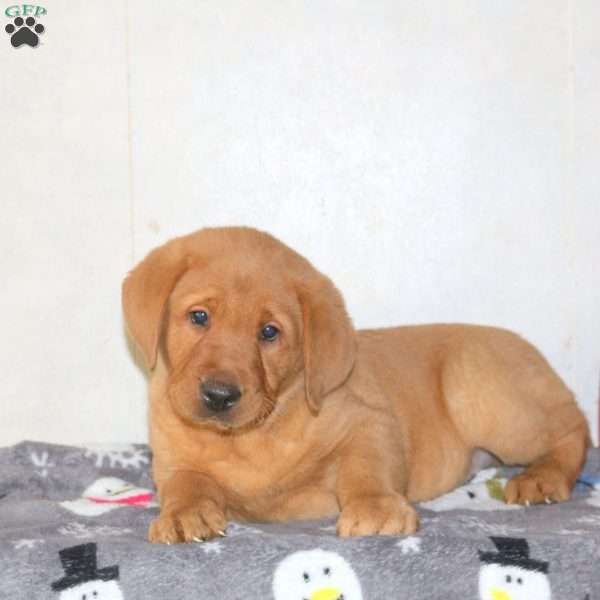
[
  {"x": 202, "y": 521},
  {"x": 377, "y": 515}
]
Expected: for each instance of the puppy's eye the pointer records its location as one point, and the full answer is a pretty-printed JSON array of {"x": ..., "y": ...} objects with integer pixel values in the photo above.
[
  {"x": 269, "y": 333},
  {"x": 199, "y": 317}
]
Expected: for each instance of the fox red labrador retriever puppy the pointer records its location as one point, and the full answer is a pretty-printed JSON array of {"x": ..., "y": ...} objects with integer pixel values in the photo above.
[{"x": 266, "y": 404}]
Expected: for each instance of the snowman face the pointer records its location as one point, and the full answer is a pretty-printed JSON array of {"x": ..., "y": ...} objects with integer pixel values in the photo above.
[
  {"x": 473, "y": 496},
  {"x": 315, "y": 575},
  {"x": 107, "y": 487},
  {"x": 106, "y": 494},
  {"x": 498, "y": 582},
  {"x": 93, "y": 590}
]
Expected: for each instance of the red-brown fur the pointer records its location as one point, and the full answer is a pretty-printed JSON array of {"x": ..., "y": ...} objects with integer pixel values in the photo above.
[{"x": 331, "y": 420}]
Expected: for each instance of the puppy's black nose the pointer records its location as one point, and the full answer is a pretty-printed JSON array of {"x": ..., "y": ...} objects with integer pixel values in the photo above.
[{"x": 219, "y": 396}]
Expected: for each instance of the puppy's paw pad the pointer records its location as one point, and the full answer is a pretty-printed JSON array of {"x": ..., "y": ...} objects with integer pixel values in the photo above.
[
  {"x": 378, "y": 515},
  {"x": 544, "y": 487}
]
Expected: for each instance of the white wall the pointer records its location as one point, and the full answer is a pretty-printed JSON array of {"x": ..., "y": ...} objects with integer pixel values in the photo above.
[{"x": 438, "y": 160}]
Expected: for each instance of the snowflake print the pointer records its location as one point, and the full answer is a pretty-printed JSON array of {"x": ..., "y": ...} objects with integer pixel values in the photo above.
[
  {"x": 42, "y": 462},
  {"x": 211, "y": 547},
  {"x": 124, "y": 456},
  {"x": 410, "y": 545}
]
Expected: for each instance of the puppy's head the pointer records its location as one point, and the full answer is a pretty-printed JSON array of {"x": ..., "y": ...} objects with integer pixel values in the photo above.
[{"x": 239, "y": 319}]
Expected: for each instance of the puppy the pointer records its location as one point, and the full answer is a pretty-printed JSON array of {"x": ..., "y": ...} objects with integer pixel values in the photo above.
[{"x": 266, "y": 404}]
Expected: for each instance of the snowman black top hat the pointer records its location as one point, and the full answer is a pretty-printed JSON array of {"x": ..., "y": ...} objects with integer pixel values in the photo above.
[
  {"x": 79, "y": 563},
  {"x": 513, "y": 552}
]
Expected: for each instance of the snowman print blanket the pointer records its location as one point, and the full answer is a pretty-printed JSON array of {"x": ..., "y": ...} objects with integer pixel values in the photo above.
[{"x": 73, "y": 525}]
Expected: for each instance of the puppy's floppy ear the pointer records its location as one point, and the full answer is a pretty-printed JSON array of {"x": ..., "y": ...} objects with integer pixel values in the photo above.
[
  {"x": 145, "y": 293},
  {"x": 328, "y": 340}
]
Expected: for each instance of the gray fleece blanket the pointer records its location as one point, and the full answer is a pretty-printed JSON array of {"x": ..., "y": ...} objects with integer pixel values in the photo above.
[{"x": 73, "y": 525}]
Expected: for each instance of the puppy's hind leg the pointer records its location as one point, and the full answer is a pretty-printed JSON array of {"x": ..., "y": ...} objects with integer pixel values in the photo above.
[
  {"x": 551, "y": 477},
  {"x": 512, "y": 404},
  {"x": 550, "y": 438}
]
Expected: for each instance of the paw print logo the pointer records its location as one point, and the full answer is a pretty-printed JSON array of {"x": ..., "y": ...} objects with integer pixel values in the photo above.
[{"x": 24, "y": 32}]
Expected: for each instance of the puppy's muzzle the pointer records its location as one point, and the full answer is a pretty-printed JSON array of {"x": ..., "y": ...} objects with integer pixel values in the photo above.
[{"x": 219, "y": 396}]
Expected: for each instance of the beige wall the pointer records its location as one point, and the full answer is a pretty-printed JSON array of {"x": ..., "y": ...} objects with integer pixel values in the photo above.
[{"x": 438, "y": 160}]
